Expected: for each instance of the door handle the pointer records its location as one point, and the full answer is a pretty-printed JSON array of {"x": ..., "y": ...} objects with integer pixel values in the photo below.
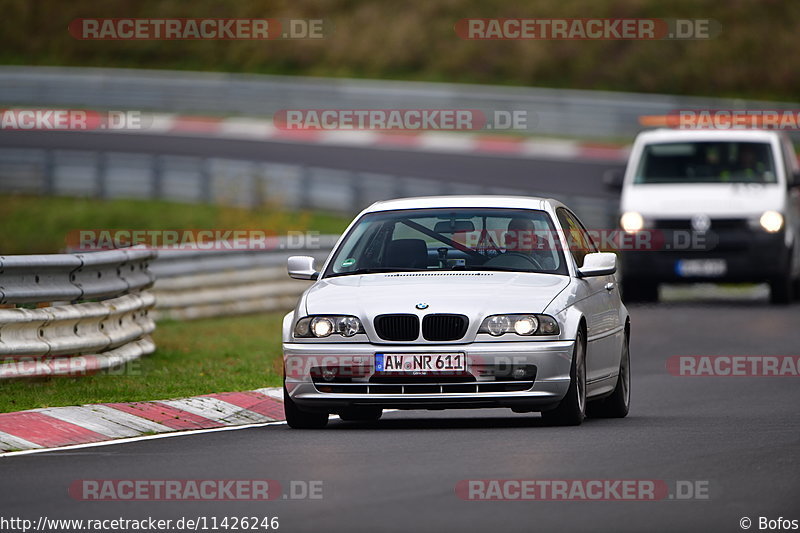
[{"x": 609, "y": 286}]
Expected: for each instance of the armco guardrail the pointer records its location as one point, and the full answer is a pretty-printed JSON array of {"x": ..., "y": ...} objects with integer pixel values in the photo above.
[
  {"x": 72, "y": 336},
  {"x": 574, "y": 113},
  {"x": 204, "y": 283},
  {"x": 75, "y": 337},
  {"x": 244, "y": 183}
]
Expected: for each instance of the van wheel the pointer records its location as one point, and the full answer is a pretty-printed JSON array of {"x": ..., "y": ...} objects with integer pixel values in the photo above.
[
  {"x": 572, "y": 409},
  {"x": 634, "y": 290},
  {"x": 298, "y": 419},
  {"x": 780, "y": 289}
]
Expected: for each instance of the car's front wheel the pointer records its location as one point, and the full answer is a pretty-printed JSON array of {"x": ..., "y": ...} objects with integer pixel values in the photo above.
[
  {"x": 572, "y": 409},
  {"x": 618, "y": 404},
  {"x": 299, "y": 419}
]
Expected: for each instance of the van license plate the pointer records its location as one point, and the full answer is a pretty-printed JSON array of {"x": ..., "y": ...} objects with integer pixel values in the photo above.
[{"x": 701, "y": 268}]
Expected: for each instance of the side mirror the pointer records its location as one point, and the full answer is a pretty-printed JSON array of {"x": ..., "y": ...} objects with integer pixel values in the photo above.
[
  {"x": 598, "y": 264},
  {"x": 613, "y": 178},
  {"x": 302, "y": 267}
]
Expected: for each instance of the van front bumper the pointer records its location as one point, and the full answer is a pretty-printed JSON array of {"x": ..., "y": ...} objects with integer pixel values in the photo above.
[{"x": 750, "y": 256}]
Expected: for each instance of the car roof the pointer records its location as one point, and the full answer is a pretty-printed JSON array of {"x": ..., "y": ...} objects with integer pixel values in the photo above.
[
  {"x": 465, "y": 201},
  {"x": 681, "y": 135}
]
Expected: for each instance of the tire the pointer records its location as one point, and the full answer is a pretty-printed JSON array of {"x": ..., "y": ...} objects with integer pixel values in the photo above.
[
  {"x": 572, "y": 408},
  {"x": 299, "y": 419},
  {"x": 634, "y": 290},
  {"x": 361, "y": 414},
  {"x": 780, "y": 290},
  {"x": 618, "y": 404}
]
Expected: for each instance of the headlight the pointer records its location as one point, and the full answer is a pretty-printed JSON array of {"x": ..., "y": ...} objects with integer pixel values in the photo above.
[
  {"x": 525, "y": 325},
  {"x": 631, "y": 221},
  {"x": 324, "y": 326},
  {"x": 771, "y": 221}
]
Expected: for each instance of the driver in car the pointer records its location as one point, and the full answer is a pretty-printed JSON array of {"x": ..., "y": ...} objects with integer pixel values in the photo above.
[{"x": 523, "y": 248}]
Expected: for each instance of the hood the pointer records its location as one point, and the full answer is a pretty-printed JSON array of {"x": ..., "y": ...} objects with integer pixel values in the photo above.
[
  {"x": 475, "y": 294},
  {"x": 721, "y": 200}
]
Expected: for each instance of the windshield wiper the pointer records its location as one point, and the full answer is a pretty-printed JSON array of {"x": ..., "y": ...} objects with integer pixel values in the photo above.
[{"x": 377, "y": 270}]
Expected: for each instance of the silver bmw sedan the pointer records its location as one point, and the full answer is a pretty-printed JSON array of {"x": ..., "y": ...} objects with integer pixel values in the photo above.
[{"x": 458, "y": 302}]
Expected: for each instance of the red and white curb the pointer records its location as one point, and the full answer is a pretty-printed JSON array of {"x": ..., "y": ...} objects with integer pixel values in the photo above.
[
  {"x": 426, "y": 141},
  {"x": 65, "y": 426}
]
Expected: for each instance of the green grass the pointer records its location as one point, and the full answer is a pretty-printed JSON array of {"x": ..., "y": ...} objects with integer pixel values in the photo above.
[
  {"x": 38, "y": 224},
  {"x": 192, "y": 358},
  {"x": 755, "y": 55}
]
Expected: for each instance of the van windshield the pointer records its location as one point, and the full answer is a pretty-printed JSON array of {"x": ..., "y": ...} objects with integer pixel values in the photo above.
[{"x": 707, "y": 162}]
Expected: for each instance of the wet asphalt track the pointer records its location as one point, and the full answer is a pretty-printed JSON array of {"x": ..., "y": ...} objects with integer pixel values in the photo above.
[
  {"x": 740, "y": 435},
  {"x": 539, "y": 176}
]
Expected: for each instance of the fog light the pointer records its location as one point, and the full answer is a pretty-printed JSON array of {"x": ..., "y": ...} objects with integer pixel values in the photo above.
[
  {"x": 328, "y": 373},
  {"x": 519, "y": 373}
]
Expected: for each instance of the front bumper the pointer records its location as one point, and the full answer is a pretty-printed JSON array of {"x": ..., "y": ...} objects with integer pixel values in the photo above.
[
  {"x": 489, "y": 381},
  {"x": 749, "y": 256}
]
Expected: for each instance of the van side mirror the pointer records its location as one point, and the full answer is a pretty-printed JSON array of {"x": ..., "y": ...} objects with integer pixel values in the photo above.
[
  {"x": 302, "y": 267},
  {"x": 598, "y": 264},
  {"x": 613, "y": 178}
]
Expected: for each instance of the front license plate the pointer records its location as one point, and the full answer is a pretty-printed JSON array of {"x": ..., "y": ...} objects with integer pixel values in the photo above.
[
  {"x": 701, "y": 268},
  {"x": 420, "y": 363}
]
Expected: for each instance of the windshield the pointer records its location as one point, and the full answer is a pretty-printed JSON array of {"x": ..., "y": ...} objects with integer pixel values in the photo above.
[
  {"x": 450, "y": 239},
  {"x": 706, "y": 162}
]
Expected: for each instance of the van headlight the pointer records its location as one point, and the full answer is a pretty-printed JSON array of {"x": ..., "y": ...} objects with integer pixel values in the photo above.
[
  {"x": 631, "y": 222},
  {"x": 771, "y": 221},
  {"x": 324, "y": 326},
  {"x": 525, "y": 325}
]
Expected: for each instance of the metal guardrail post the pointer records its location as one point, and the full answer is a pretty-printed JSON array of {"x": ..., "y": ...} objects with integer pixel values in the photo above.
[
  {"x": 205, "y": 180},
  {"x": 304, "y": 200},
  {"x": 48, "y": 173},
  {"x": 101, "y": 171},
  {"x": 157, "y": 176},
  {"x": 356, "y": 184}
]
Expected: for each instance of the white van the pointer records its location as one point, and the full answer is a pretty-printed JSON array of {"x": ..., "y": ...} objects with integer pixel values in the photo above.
[{"x": 711, "y": 205}]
